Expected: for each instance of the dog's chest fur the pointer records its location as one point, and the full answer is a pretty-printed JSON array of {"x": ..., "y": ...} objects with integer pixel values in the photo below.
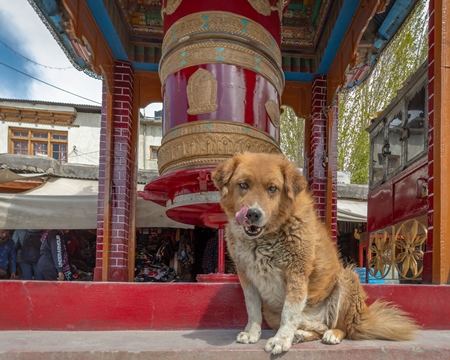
[{"x": 261, "y": 260}]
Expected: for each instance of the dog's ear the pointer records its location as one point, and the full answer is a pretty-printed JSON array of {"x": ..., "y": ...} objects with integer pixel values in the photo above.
[
  {"x": 222, "y": 175},
  {"x": 294, "y": 182}
]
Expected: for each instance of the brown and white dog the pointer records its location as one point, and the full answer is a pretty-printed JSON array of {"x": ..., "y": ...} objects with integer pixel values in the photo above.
[{"x": 288, "y": 265}]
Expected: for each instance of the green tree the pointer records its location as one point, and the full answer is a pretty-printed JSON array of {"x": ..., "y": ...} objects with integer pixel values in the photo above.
[
  {"x": 292, "y": 135},
  {"x": 357, "y": 106}
]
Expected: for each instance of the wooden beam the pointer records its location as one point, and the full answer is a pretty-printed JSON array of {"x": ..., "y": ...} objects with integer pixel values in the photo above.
[
  {"x": 35, "y": 115},
  {"x": 148, "y": 86},
  {"x": 297, "y": 95},
  {"x": 349, "y": 46},
  {"x": 441, "y": 148},
  {"x": 329, "y": 169},
  {"x": 18, "y": 186},
  {"x": 86, "y": 30},
  {"x": 133, "y": 181},
  {"x": 147, "y": 90}
]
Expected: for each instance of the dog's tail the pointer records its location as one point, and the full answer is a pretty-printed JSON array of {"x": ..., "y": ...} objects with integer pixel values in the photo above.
[{"x": 383, "y": 321}]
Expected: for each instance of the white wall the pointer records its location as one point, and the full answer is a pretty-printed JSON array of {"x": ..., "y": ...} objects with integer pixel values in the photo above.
[
  {"x": 150, "y": 134},
  {"x": 84, "y": 141},
  {"x": 84, "y": 136}
]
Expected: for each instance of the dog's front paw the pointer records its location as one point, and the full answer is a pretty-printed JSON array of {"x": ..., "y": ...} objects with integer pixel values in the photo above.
[
  {"x": 305, "y": 335},
  {"x": 277, "y": 345},
  {"x": 333, "y": 336},
  {"x": 248, "y": 337}
]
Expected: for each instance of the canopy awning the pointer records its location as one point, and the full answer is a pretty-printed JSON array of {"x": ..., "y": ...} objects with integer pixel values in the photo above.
[
  {"x": 62, "y": 203},
  {"x": 351, "y": 210},
  {"x": 8, "y": 176}
]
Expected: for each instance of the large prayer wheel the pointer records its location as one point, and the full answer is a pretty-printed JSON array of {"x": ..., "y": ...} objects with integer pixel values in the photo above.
[{"x": 222, "y": 82}]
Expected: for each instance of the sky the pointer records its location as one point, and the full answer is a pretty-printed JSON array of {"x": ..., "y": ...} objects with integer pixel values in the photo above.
[
  {"x": 24, "y": 35},
  {"x": 26, "y": 45}
]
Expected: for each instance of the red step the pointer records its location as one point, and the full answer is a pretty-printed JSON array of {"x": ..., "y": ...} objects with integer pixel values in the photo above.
[{"x": 101, "y": 306}]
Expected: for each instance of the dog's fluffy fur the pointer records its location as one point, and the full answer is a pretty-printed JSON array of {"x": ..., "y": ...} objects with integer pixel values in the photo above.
[{"x": 288, "y": 265}]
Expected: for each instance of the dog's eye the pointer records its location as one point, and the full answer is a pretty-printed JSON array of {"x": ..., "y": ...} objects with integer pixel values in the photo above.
[
  {"x": 243, "y": 185},
  {"x": 272, "y": 189}
]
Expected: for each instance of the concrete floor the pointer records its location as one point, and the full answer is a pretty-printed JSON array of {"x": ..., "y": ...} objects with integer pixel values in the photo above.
[{"x": 203, "y": 345}]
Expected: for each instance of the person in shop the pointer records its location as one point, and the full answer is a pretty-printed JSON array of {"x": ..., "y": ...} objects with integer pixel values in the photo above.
[
  {"x": 186, "y": 257},
  {"x": 7, "y": 256},
  {"x": 29, "y": 268},
  {"x": 54, "y": 260},
  {"x": 211, "y": 256},
  {"x": 73, "y": 245}
]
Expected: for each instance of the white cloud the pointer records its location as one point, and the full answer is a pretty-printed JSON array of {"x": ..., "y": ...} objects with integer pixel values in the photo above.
[
  {"x": 5, "y": 93},
  {"x": 32, "y": 39}
]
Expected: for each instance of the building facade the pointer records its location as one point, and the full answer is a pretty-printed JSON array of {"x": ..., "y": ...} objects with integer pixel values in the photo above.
[{"x": 67, "y": 133}]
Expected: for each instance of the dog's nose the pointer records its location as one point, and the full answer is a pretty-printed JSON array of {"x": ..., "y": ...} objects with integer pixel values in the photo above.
[{"x": 253, "y": 215}]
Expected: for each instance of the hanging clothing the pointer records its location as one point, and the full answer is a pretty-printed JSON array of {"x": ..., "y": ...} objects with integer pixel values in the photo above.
[{"x": 54, "y": 258}]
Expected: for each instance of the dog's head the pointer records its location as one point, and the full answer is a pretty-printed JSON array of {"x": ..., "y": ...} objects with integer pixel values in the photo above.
[{"x": 258, "y": 190}]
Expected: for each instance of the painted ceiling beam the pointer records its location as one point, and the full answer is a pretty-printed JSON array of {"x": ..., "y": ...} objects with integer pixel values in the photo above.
[
  {"x": 47, "y": 12},
  {"x": 47, "y": 9}
]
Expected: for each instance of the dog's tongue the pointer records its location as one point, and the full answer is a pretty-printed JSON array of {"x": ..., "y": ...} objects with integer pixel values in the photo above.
[{"x": 241, "y": 216}]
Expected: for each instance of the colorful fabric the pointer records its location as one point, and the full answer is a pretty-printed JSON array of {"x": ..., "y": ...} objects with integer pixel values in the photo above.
[
  {"x": 211, "y": 256},
  {"x": 8, "y": 255}
]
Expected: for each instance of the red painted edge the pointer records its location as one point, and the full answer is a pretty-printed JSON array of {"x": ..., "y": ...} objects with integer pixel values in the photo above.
[{"x": 36, "y": 305}]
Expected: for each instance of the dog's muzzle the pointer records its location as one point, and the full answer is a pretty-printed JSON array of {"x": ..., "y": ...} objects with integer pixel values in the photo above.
[{"x": 247, "y": 218}]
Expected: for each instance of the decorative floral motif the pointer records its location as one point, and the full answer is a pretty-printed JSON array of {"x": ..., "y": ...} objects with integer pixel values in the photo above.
[
  {"x": 403, "y": 251},
  {"x": 409, "y": 242},
  {"x": 380, "y": 264}
]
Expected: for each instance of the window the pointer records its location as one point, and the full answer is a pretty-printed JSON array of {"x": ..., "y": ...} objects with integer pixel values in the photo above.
[
  {"x": 399, "y": 135},
  {"x": 154, "y": 152},
  {"x": 394, "y": 144},
  {"x": 378, "y": 158},
  {"x": 415, "y": 127},
  {"x": 38, "y": 142}
]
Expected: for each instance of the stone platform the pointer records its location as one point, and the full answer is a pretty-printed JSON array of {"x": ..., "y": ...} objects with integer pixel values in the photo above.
[{"x": 204, "y": 345}]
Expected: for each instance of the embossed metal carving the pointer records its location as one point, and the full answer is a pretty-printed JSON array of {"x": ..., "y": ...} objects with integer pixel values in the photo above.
[
  {"x": 261, "y": 6},
  {"x": 170, "y": 7},
  {"x": 202, "y": 92},
  {"x": 225, "y": 23},
  {"x": 221, "y": 37},
  {"x": 210, "y": 52},
  {"x": 205, "y": 143},
  {"x": 273, "y": 110}
]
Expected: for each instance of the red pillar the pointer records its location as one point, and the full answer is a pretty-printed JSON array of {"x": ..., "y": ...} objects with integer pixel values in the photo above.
[
  {"x": 102, "y": 217},
  {"x": 332, "y": 150},
  {"x": 318, "y": 155},
  {"x": 117, "y": 172},
  {"x": 428, "y": 256}
]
